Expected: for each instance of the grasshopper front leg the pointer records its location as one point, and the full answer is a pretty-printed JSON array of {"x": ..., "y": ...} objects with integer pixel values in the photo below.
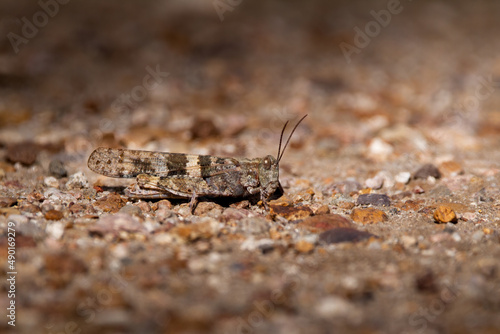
[{"x": 193, "y": 203}]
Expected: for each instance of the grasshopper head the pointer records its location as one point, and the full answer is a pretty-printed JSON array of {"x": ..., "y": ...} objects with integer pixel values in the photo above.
[{"x": 269, "y": 176}]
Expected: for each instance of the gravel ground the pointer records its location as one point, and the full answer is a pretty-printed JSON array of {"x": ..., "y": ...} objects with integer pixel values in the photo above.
[{"x": 389, "y": 221}]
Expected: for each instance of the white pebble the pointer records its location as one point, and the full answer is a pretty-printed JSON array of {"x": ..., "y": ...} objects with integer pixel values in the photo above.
[
  {"x": 311, "y": 238},
  {"x": 388, "y": 180},
  {"x": 164, "y": 238},
  {"x": 51, "y": 181},
  {"x": 408, "y": 241},
  {"x": 77, "y": 181},
  {"x": 403, "y": 177},
  {"x": 333, "y": 306},
  {"x": 55, "y": 230},
  {"x": 251, "y": 244},
  {"x": 54, "y": 196},
  {"x": 375, "y": 182},
  {"x": 456, "y": 237},
  {"x": 382, "y": 179},
  {"x": 120, "y": 251},
  {"x": 469, "y": 215},
  {"x": 380, "y": 149}
]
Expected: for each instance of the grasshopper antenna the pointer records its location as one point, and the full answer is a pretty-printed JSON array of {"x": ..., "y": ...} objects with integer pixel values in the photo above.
[
  {"x": 281, "y": 138},
  {"x": 288, "y": 140}
]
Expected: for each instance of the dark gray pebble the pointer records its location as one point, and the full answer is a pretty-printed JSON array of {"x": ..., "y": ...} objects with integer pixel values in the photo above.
[
  {"x": 56, "y": 168},
  {"x": 427, "y": 170},
  {"x": 374, "y": 199},
  {"x": 344, "y": 234}
]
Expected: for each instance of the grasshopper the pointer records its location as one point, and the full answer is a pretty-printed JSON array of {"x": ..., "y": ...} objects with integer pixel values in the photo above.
[{"x": 177, "y": 175}]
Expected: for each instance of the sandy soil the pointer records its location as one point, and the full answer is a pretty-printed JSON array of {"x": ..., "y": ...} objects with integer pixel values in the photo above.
[{"x": 389, "y": 222}]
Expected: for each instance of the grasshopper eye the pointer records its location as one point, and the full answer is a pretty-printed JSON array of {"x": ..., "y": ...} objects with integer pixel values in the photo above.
[{"x": 267, "y": 163}]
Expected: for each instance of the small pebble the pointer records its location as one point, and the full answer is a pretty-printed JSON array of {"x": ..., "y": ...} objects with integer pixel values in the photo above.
[
  {"x": 163, "y": 238},
  {"x": 467, "y": 216},
  {"x": 54, "y": 195},
  {"x": 348, "y": 186},
  {"x": 411, "y": 205},
  {"x": 322, "y": 223},
  {"x": 408, "y": 241},
  {"x": 208, "y": 208},
  {"x": 120, "y": 251},
  {"x": 375, "y": 182},
  {"x": 387, "y": 177},
  {"x": 132, "y": 210},
  {"x": 444, "y": 214},
  {"x": 111, "y": 203},
  {"x": 427, "y": 170},
  {"x": 35, "y": 197},
  {"x": 251, "y": 244},
  {"x": 253, "y": 225},
  {"x": 303, "y": 196},
  {"x": 77, "y": 208},
  {"x": 403, "y": 177},
  {"x": 343, "y": 234},
  {"x": 418, "y": 190},
  {"x": 51, "y": 181},
  {"x": 115, "y": 223},
  {"x": 368, "y": 216},
  {"x": 401, "y": 195},
  {"x": 163, "y": 215},
  {"x": 206, "y": 228},
  {"x": 245, "y": 204},
  {"x": 54, "y": 215},
  {"x": 25, "y": 153},
  {"x": 164, "y": 203},
  {"x": 144, "y": 206},
  {"x": 57, "y": 168},
  {"x": 290, "y": 212},
  {"x": 337, "y": 307},
  {"x": 379, "y": 149},
  {"x": 450, "y": 168},
  {"x": 322, "y": 210},
  {"x": 374, "y": 199},
  {"x": 183, "y": 210},
  {"x": 346, "y": 205},
  {"x": 234, "y": 214},
  {"x": 303, "y": 246},
  {"x": 77, "y": 181}
]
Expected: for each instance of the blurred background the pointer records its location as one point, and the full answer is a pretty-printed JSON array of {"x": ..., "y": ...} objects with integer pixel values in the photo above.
[{"x": 86, "y": 70}]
